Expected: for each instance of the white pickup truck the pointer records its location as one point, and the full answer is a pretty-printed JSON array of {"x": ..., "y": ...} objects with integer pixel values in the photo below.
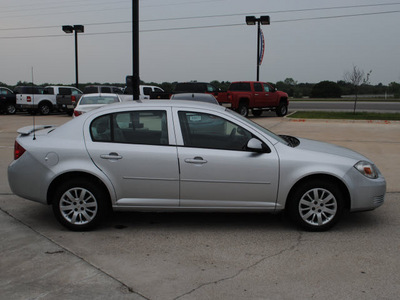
[
  {"x": 37, "y": 99},
  {"x": 145, "y": 91}
]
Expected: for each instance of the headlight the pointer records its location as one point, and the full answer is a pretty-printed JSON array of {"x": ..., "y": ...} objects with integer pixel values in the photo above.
[{"x": 367, "y": 169}]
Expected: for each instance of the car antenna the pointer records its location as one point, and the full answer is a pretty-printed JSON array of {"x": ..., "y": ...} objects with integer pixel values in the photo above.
[{"x": 33, "y": 107}]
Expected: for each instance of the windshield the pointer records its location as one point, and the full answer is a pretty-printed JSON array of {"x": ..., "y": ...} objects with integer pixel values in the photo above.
[
  {"x": 98, "y": 100},
  {"x": 259, "y": 127}
]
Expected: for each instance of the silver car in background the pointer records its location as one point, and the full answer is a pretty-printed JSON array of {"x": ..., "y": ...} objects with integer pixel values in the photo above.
[
  {"x": 200, "y": 97},
  {"x": 187, "y": 156}
]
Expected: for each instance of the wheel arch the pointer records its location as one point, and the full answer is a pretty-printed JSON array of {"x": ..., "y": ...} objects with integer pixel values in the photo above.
[
  {"x": 244, "y": 100},
  {"x": 323, "y": 177},
  {"x": 45, "y": 101},
  {"x": 284, "y": 100},
  {"x": 74, "y": 175}
]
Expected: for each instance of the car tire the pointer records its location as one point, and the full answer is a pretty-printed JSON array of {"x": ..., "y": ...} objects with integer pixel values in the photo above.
[
  {"x": 256, "y": 112},
  {"x": 243, "y": 109},
  {"x": 282, "y": 109},
  {"x": 44, "y": 109},
  {"x": 11, "y": 109},
  {"x": 316, "y": 205},
  {"x": 79, "y": 205}
]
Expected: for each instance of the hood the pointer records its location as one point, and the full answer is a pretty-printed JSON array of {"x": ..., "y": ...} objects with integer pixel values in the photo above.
[{"x": 311, "y": 145}]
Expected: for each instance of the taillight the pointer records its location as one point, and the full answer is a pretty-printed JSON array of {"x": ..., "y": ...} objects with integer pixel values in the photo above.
[
  {"x": 18, "y": 150},
  {"x": 73, "y": 99},
  {"x": 28, "y": 99},
  {"x": 77, "y": 113}
]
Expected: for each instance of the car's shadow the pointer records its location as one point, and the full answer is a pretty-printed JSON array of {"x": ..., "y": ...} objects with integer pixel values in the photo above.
[
  {"x": 365, "y": 221},
  {"x": 205, "y": 221}
]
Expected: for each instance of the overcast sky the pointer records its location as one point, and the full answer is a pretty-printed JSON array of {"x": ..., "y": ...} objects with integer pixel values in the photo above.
[{"x": 203, "y": 40}]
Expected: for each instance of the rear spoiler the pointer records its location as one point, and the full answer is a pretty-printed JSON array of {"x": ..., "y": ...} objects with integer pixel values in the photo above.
[{"x": 27, "y": 130}]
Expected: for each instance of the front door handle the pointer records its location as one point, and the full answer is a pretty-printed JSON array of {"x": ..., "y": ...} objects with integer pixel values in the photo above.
[
  {"x": 112, "y": 155},
  {"x": 197, "y": 160}
]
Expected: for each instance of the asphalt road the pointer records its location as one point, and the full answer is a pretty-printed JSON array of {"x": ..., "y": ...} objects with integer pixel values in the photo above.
[
  {"x": 379, "y": 106},
  {"x": 207, "y": 256}
]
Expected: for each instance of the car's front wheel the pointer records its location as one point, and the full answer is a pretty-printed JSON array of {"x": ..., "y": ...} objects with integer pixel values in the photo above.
[
  {"x": 316, "y": 205},
  {"x": 79, "y": 205},
  {"x": 282, "y": 109}
]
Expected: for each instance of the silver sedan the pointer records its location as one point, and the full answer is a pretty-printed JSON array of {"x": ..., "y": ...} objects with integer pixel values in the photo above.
[{"x": 187, "y": 156}]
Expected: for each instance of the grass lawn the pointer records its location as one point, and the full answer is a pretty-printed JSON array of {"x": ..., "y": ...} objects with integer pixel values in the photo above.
[{"x": 345, "y": 115}]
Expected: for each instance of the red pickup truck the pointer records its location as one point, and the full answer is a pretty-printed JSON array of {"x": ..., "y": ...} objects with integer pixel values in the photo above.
[
  {"x": 257, "y": 96},
  {"x": 241, "y": 96}
]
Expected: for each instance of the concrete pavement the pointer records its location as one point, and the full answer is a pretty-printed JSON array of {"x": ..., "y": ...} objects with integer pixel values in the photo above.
[{"x": 207, "y": 256}]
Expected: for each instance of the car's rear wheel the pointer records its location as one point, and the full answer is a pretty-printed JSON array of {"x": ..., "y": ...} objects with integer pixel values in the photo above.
[
  {"x": 44, "y": 109},
  {"x": 11, "y": 109},
  {"x": 316, "y": 205},
  {"x": 79, "y": 205},
  {"x": 243, "y": 109}
]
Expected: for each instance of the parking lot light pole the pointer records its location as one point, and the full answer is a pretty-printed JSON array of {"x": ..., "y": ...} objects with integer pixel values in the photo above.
[
  {"x": 135, "y": 50},
  {"x": 76, "y": 29},
  {"x": 263, "y": 20}
]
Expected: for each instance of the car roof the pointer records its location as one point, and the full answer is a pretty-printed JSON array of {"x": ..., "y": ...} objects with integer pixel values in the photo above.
[{"x": 163, "y": 104}]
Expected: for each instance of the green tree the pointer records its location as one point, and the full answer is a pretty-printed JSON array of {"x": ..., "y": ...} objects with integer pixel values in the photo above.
[
  {"x": 394, "y": 88},
  {"x": 326, "y": 89},
  {"x": 356, "y": 77},
  {"x": 288, "y": 86}
]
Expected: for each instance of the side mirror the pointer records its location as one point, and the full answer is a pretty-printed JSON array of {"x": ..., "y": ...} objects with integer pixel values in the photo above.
[{"x": 257, "y": 146}]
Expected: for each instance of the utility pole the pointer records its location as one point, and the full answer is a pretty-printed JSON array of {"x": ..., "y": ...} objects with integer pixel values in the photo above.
[{"x": 135, "y": 49}]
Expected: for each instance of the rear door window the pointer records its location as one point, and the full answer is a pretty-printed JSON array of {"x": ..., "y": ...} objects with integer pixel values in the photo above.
[
  {"x": 240, "y": 87},
  {"x": 258, "y": 87},
  {"x": 134, "y": 127}
]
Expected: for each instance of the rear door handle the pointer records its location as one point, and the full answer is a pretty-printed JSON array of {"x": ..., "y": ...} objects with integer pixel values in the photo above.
[
  {"x": 197, "y": 160},
  {"x": 112, "y": 155}
]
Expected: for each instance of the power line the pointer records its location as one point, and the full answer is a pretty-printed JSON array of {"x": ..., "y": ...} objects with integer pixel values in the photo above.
[
  {"x": 215, "y": 16},
  {"x": 339, "y": 16},
  {"x": 210, "y": 26},
  {"x": 91, "y": 10},
  {"x": 50, "y": 7}
]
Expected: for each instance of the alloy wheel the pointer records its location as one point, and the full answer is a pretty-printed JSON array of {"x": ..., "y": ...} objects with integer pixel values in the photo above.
[
  {"x": 318, "y": 206},
  {"x": 78, "y": 206}
]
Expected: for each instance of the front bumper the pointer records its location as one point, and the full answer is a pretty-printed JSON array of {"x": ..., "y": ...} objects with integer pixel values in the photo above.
[{"x": 366, "y": 194}]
